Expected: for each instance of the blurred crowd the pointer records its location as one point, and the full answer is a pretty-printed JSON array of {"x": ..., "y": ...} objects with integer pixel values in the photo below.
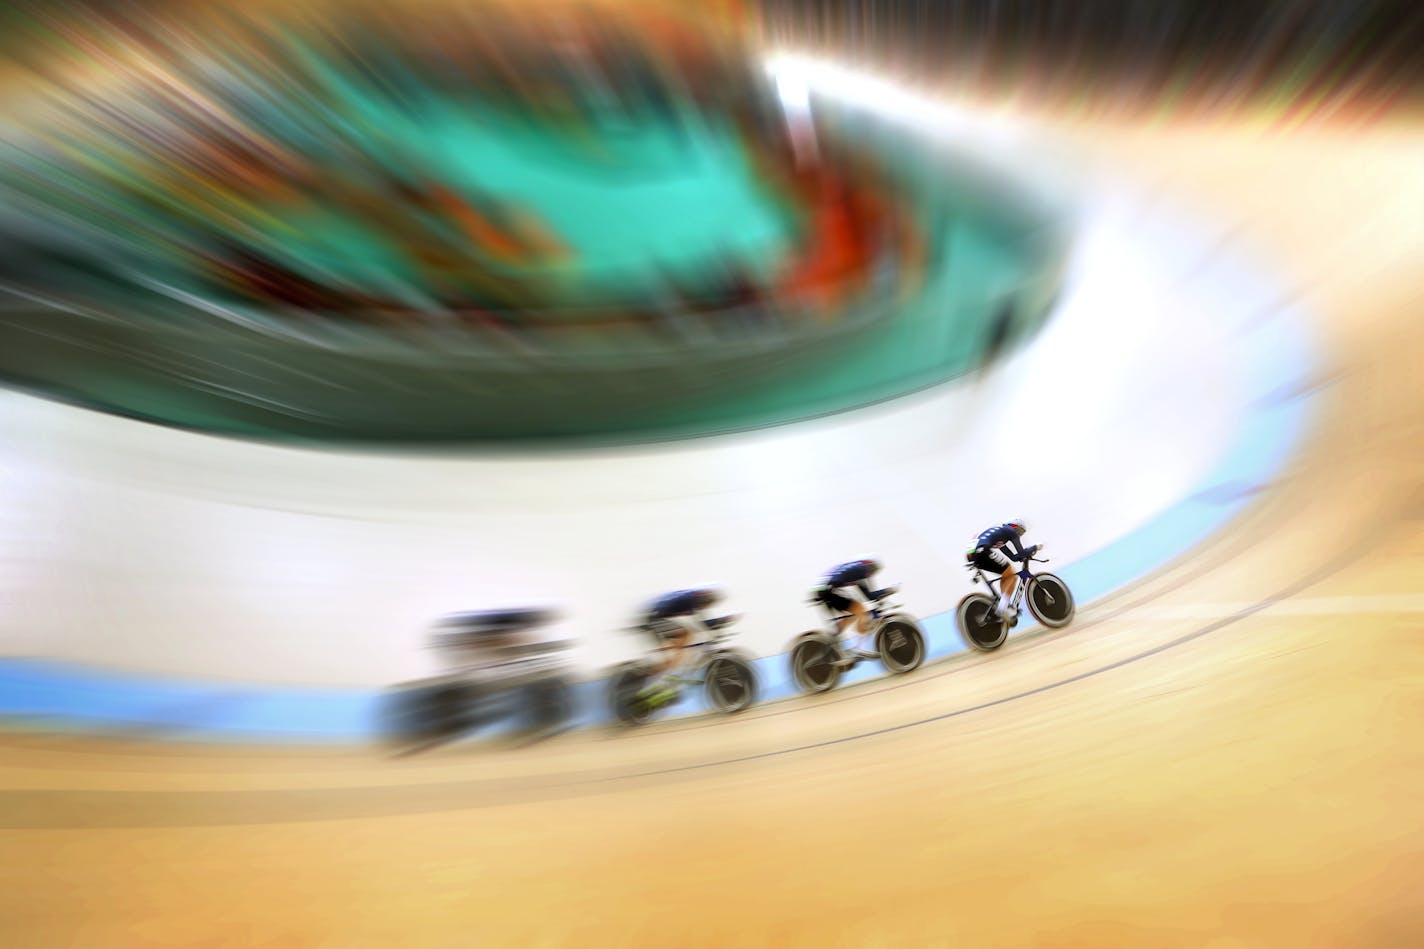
[
  {"x": 1301, "y": 57},
  {"x": 186, "y": 151}
]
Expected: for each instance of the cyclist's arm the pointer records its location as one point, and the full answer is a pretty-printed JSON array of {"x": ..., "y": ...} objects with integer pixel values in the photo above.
[{"x": 1018, "y": 550}]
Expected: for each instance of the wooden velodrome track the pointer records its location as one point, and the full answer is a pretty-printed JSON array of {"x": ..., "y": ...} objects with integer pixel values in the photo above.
[{"x": 1228, "y": 754}]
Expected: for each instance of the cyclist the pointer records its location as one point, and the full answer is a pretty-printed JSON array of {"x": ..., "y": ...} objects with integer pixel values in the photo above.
[
  {"x": 995, "y": 551},
  {"x": 673, "y": 618},
  {"x": 833, "y": 591}
]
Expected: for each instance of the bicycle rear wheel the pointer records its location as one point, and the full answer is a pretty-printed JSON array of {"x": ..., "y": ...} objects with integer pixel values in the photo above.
[
  {"x": 626, "y": 686},
  {"x": 419, "y": 716},
  {"x": 979, "y": 625},
  {"x": 813, "y": 665}
]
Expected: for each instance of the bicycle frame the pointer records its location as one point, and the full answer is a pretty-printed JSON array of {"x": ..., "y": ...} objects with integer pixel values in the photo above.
[
  {"x": 1024, "y": 574},
  {"x": 880, "y": 610},
  {"x": 708, "y": 648}
]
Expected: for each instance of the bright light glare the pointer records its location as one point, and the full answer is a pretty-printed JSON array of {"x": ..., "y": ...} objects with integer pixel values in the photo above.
[{"x": 795, "y": 72}]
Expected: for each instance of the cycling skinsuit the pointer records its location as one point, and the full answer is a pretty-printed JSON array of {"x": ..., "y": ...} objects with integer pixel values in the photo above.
[
  {"x": 855, "y": 573},
  {"x": 988, "y": 552}
]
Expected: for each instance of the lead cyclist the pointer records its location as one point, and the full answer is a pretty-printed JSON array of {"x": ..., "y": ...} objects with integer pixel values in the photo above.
[{"x": 996, "y": 550}]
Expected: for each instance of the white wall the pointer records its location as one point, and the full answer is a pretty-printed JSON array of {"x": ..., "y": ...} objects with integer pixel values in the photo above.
[{"x": 128, "y": 544}]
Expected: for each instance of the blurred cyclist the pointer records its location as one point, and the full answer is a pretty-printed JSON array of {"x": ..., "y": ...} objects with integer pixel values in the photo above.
[
  {"x": 989, "y": 554},
  {"x": 834, "y": 591},
  {"x": 673, "y": 618}
]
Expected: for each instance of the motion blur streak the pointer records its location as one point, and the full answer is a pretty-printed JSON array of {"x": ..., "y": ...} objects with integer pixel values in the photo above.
[
  {"x": 1255, "y": 61},
  {"x": 318, "y": 222},
  {"x": 478, "y": 224}
]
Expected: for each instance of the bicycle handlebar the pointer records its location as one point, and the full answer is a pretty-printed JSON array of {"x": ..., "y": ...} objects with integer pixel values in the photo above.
[{"x": 974, "y": 566}]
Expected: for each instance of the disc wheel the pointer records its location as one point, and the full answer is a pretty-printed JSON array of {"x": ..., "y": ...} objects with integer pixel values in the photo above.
[
  {"x": 979, "y": 625},
  {"x": 731, "y": 685},
  {"x": 420, "y": 716},
  {"x": 549, "y": 706},
  {"x": 630, "y": 709},
  {"x": 813, "y": 665},
  {"x": 1050, "y": 601},
  {"x": 901, "y": 646}
]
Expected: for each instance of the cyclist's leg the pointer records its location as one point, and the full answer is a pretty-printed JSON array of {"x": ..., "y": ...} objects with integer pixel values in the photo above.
[
  {"x": 676, "y": 652},
  {"x": 838, "y": 605},
  {"x": 663, "y": 681},
  {"x": 848, "y": 638},
  {"x": 672, "y": 654},
  {"x": 856, "y": 638},
  {"x": 860, "y": 614},
  {"x": 1008, "y": 582},
  {"x": 997, "y": 561}
]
